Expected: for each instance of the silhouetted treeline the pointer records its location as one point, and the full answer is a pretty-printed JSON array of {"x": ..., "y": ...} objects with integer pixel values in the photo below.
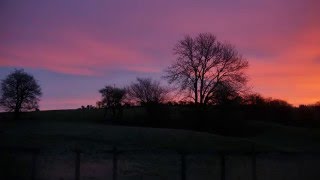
[
  {"x": 229, "y": 118},
  {"x": 242, "y": 119}
]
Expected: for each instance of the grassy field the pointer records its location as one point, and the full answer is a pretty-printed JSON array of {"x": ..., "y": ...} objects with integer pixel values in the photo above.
[{"x": 85, "y": 128}]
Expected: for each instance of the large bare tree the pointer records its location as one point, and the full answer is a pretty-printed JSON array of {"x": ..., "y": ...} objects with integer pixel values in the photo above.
[{"x": 203, "y": 64}]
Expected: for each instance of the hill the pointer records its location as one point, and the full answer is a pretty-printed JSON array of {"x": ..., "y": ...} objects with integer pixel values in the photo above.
[{"x": 77, "y": 129}]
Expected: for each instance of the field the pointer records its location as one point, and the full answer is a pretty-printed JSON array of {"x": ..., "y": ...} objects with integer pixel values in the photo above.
[
  {"x": 49, "y": 127},
  {"x": 150, "y": 153}
]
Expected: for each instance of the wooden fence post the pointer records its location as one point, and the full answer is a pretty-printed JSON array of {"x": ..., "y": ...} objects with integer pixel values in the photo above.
[
  {"x": 222, "y": 166},
  {"x": 183, "y": 166},
  {"x": 77, "y": 167},
  {"x": 115, "y": 163},
  {"x": 34, "y": 164},
  {"x": 254, "y": 163}
]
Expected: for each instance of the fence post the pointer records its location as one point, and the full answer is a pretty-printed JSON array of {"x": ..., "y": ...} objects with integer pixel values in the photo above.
[
  {"x": 222, "y": 166},
  {"x": 33, "y": 166},
  {"x": 183, "y": 166},
  {"x": 115, "y": 163},
  {"x": 254, "y": 163},
  {"x": 77, "y": 168}
]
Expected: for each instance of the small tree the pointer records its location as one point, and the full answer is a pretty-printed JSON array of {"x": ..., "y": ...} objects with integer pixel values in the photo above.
[
  {"x": 112, "y": 98},
  {"x": 255, "y": 99},
  {"x": 145, "y": 91},
  {"x": 19, "y": 92},
  {"x": 226, "y": 95}
]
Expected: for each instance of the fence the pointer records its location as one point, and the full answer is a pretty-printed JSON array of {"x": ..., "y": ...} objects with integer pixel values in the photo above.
[{"x": 250, "y": 165}]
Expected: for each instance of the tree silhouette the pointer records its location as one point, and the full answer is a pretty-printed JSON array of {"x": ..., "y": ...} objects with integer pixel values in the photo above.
[
  {"x": 112, "y": 98},
  {"x": 226, "y": 95},
  {"x": 203, "y": 64},
  {"x": 19, "y": 92},
  {"x": 255, "y": 99},
  {"x": 145, "y": 91}
]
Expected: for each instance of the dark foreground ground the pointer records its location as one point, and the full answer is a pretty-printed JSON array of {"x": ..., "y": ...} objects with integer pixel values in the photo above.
[{"x": 64, "y": 145}]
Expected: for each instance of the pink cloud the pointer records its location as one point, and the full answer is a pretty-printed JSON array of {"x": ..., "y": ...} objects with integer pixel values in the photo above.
[{"x": 81, "y": 56}]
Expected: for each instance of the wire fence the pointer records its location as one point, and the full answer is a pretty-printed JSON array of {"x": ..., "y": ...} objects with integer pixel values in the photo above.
[{"x": 253, "y": 165}]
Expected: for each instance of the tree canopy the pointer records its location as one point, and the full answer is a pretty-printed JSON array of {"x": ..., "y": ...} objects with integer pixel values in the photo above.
[
  {"x": 112, "y": 96},
  {"x": 147, "y": 91},
  {"x": 20, "y": 92},
  {"x": 204, "y": 65}
]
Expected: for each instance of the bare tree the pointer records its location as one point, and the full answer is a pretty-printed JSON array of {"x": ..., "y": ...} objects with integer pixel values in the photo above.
[
  {"x": 112, "y": 98},
  {"x": 145, "y": 91},
  {"x": 19, "y": 92},
  {"x": 203, "y": 64}
]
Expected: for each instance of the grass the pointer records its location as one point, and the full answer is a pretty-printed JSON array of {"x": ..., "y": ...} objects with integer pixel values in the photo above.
[{"x": 85, "y": 129}]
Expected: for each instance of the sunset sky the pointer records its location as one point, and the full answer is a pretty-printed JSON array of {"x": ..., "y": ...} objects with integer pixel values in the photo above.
[{"x": 75, "y": 47}]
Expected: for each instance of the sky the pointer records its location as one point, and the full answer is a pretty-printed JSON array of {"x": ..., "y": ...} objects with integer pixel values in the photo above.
[{"x": 76, "y": 47}]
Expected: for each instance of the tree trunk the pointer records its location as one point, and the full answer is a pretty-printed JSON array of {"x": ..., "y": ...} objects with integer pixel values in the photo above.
[{"x": 196, "y": 91}]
